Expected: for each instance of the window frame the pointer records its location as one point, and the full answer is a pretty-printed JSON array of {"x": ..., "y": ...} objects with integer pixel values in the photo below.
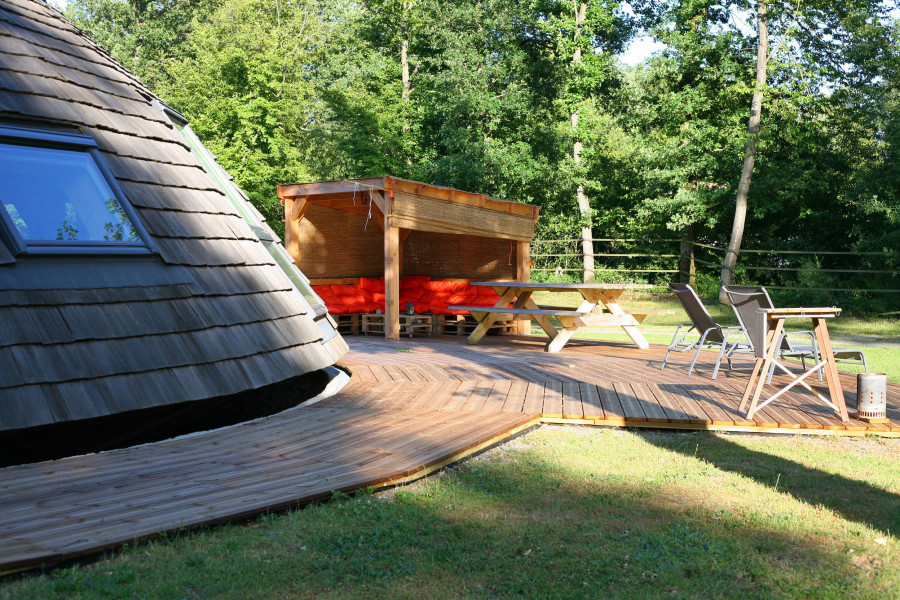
[{"x": 73, "y": 141}]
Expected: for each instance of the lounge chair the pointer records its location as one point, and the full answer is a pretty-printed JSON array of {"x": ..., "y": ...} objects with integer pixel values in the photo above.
[
  {"x": 712, "y": 335},
  {"x": 747, "y": 300}
]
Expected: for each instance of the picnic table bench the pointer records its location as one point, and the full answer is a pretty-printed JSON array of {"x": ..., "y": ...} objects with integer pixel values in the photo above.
[{"x": 599, "y": 306}]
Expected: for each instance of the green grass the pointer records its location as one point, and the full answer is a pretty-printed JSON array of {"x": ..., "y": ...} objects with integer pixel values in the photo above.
[{"x": 563, "y": 512}]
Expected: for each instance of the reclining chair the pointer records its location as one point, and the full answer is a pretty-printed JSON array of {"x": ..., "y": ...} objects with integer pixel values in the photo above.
[{"x": 712, "y": 335}]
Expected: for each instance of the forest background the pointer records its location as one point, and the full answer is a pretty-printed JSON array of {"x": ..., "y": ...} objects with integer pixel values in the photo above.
[{"x": 528, "y": 100}]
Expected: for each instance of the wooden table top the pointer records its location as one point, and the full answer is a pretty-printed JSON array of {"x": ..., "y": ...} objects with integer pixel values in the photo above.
[
  {"x": 785, "y": 313},
  {"x": 550, "y": 287}
]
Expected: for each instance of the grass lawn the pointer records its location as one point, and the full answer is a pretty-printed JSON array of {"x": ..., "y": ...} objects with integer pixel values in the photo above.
[{"x": 562, "y": 512}]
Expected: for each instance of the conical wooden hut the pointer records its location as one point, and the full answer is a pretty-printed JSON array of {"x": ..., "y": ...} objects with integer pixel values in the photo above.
[{"x": 134, "y": 275}]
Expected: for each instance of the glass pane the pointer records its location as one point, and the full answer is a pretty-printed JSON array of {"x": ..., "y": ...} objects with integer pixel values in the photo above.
[{"x": 60, "y": 195}]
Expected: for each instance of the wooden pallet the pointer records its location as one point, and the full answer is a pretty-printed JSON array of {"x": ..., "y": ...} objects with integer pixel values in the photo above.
[
  {"x": 347, "y": 324},
  {"x": 465, "y": 324},
  {"x": 409, "y": 324}
]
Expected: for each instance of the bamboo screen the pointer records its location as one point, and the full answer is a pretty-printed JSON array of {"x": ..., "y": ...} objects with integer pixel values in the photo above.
[{"x": 335, "y": 244}]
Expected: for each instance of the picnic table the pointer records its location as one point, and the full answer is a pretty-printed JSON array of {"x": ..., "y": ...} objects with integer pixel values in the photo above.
[{"x": 599, "y": 306}]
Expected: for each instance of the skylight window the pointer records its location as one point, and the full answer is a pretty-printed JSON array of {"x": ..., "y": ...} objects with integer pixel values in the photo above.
[{"x": 56, "y": 197}]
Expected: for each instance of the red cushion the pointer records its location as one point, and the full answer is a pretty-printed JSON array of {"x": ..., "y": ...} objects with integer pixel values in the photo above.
[
  {"x": 379, "y": 298},
  {"x": 413, "y": 281},
  {"x": 372, "y": 285},
  {"x": 462, "y": 298},
  {"x": 345, "y": 290},
  {"x": 411, "y": 294},
  {"x": 452, "y": 287}
]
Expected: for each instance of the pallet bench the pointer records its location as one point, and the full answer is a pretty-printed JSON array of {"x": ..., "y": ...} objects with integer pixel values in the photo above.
[{"x": 409, "y": 324}]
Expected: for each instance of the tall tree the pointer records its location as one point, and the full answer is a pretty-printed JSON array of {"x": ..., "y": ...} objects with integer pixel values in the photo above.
[
  {"x": 582, "y": 38},
  {"x": 743, "y": 190},
  {"x": 143, "y": 35},
  {"x": 244, "y": 85}
]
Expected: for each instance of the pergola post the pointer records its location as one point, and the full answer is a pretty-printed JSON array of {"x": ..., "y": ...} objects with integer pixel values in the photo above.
[
  {"x": 291, "y": 228},
  {"x": 391, "y": 279},
  {"x": 523, "y": 273}
]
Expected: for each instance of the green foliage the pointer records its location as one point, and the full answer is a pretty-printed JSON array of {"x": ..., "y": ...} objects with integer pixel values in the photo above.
[
  {"x": 245, "y": 88},
  {"x": 314, "y": 90}
]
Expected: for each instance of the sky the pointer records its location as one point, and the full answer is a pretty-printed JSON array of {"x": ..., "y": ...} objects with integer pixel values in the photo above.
[{"x": 640, "y": 50}]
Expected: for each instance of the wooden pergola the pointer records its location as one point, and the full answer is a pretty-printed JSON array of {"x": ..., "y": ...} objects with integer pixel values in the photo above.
[{"x": 399, "y": 207}]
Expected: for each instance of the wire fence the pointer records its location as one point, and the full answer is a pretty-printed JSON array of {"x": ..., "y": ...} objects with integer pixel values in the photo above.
[{"x": 869, "y": 280}]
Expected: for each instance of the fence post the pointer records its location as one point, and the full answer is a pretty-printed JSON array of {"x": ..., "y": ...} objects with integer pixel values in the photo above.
[{"x": 687, "y": 269}]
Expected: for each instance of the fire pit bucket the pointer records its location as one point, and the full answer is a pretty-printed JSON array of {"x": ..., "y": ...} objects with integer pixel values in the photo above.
[{"x": 871, "y": 393}]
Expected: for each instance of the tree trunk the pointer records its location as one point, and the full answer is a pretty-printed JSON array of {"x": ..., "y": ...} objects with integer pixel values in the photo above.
[
  {"x": 740, "y": 209},
  {"x": 687, "y": 268},
  {"x": 406, "y": 84},
  {"x": 404, "y": 65},
  {"x": 584, "y": 205}
]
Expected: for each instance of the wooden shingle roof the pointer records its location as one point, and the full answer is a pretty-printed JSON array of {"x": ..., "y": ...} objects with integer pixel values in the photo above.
[{"x": 209, "y": 314}]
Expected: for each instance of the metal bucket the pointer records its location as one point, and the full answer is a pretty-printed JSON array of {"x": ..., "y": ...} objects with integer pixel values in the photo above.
[{"x": 871, "y": 394}]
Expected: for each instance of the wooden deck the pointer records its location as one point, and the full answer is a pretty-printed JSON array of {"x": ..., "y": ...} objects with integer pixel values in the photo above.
[
  {"x": 410, "y": 408},
  {"x": 589, "y": 382}
]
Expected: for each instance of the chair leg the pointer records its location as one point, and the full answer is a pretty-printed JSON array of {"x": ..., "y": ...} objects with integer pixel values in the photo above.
[
  {"x": 719, "y": 360},
  {"x": 666, "y": 359},
  {"x": 675, "y": 340},
  {"x": 696, "y": 356},
  {"x": 699, "y": 348}
]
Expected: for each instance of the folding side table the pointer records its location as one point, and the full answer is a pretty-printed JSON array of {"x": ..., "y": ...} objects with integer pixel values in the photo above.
[{"x": 766, "y": 344}]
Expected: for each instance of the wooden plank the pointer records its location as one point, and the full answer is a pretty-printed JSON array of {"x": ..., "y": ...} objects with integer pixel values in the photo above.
[
  {"x": 553, "y": 400},
  {"x": 523, "y": 273},
  {"x": 649, "y": 403},
  {"x": 496, "y": 400},
  {"x": 443, "y": 396},
  {"x": 631, "y": 404},
  {"x": 478, "y": 397},
  {"x": 391, "y": 279},
  {"x": 428, "y": 214},
  {"x": 534, "y": 398},
  {"x": 669, "y": 405},
  {"x": 612, "y": 407},
  {"x": 515, "y": 399},
  {"x": 328, "y": 189},
  {"x": 461, "y": 197},
  {"x": 695, "y": 414},
  {"x": 461, "y": 395},
  {"x": 591, "y": 407},
  {"x": 571, "y": 401},
  {"x": 523, "y": 311}
]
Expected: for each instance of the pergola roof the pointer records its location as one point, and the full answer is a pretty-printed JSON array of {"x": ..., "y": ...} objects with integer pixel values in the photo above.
[{"x": 416, "y": 206}]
